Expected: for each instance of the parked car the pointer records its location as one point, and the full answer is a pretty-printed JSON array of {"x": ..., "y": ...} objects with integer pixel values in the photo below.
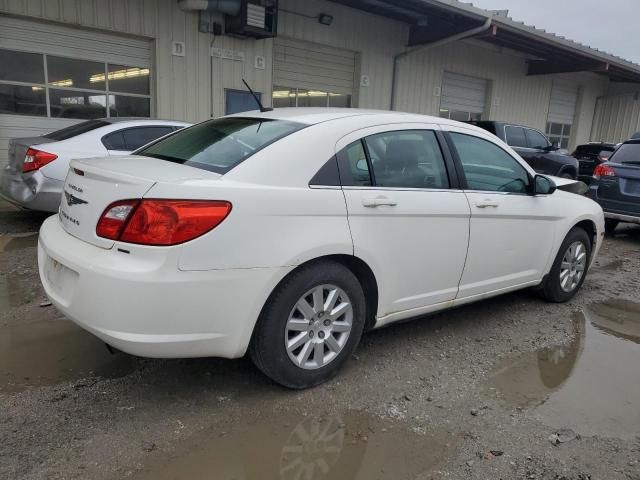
[
  {"x": 590, "y": 155},
  {"x": 288, "y": 233},
  {"x": 616, "y": 185},
  {"x": 534, "y": 146},
  {"x": 34, "y": 176}
]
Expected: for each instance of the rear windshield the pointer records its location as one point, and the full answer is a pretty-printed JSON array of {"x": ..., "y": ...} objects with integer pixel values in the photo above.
[
  {"x": 593, "y": 149},
  {"x": 221, "y": 144},
  {"x": 77, "y": 129},
  {"x": 627, "y": 153}
]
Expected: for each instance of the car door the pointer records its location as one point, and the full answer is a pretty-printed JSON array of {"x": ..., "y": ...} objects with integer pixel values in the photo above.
[
  {"x": 537, "y": 144},
  {"x": 126, "y": 140},
  {"x": 511, "y": 231},
  {"x": 409, "y": 220},
  {"x": 517, "y": 139}
]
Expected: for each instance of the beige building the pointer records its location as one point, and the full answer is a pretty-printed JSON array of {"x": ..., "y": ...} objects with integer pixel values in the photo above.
[{"x": 62, "y": 61}]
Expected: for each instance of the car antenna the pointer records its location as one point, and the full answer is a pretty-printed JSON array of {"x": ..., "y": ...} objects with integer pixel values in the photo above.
[{"x": 255, "y": 97}]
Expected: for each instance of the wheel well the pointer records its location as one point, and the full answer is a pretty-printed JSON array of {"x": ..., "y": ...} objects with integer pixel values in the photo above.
[
  {"x": 568, "y": 169},
  {"x": 589, "y": 227},
  {"x": 363, "y": 273}
]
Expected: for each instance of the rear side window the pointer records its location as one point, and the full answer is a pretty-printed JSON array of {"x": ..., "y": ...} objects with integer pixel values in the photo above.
[
  {"x": 407, "y": 159},
  {"x": 77, "y": 129},
  {"x": 221, "y": 144},
  {"x": 535, "y": 139},
  {"x": 627, "y": 153},
  {"x": 114, "y": 141},
  {"x": 515, "y": 136},
  {"x": 135, "y": 138},
  {"x": 354, "y": 168},
  {"x": 488, "y": 167}
]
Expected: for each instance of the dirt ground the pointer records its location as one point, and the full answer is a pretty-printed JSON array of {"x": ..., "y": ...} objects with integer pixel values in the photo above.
[{"x": 508, "y": 388}]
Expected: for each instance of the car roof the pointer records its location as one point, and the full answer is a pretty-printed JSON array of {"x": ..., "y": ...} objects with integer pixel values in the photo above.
[
  {"x": 140, "y": 119},
  {"x": 316, "y": 115}
]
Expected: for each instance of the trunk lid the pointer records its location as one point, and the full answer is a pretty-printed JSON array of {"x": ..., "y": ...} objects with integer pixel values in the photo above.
[
  {"x": 93, "y": 184},
  {"x": 18, "y": 148},
  {"x": 621, "y": 192}
]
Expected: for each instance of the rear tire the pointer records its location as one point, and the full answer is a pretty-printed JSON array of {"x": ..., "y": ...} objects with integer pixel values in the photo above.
[
  {"x": 610, "y": 225},
  {"x": 310, "y": 326},
  {"x": 569, "y": 268}
]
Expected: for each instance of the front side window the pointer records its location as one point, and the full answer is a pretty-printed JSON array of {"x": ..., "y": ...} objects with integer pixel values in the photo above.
[
  {"x": 60, "y": 87},
  {"x": 536, "y": 140},
  {"x": 488, "y": 167},
  {"x": 221, "y": 144},
  {"x": 407, "y": 159},
  {"x": 515, "y": 136}
]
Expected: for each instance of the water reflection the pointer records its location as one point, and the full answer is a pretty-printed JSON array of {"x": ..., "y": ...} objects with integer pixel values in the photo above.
[
  {"x": 276, "y": 447},
  {"x": 593, "y": 384}
]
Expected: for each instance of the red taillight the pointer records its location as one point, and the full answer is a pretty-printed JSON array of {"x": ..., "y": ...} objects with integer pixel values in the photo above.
[
  {"x": 35, "y": 159},
  {"x": 603, "y": 170},
  {"x": 161, "y": 222}
]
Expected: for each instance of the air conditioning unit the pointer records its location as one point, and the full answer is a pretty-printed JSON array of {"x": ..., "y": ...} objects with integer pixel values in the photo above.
[{"x": 256, "y": 19}]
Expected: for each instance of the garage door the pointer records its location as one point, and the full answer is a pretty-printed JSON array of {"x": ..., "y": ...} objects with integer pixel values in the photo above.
[
  {"x": 309, "y": 74},
  {"x": 463, "y": 97},
  {"x": 52, "y": 76},
  {"x": 562, "y": 110}
]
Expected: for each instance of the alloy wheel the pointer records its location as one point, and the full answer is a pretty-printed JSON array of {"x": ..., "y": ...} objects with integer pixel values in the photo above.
[
  {"x": 574, "y": 264},
  {"x": 318, "y": 327}
]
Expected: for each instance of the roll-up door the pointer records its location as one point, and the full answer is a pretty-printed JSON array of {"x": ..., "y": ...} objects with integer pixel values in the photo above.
[
  {"x": 310, "y": 74},
  {"x": 462, "y": 97},
  {"x": 52, "y": 76},
  {"x": 562, "y": 110}
]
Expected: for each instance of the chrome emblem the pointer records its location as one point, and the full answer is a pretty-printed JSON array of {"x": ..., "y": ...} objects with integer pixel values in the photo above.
[{"x": 73, "y": 200}]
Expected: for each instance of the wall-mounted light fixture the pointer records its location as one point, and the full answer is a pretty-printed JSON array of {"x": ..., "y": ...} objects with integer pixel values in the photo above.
[{"x": 325, "y": 19}]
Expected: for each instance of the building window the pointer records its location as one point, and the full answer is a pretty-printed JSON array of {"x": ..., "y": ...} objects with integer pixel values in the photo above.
[
  {"x": 559, "y": 133},
  {"x": 59, "y": 87},
  {"x": 460, "y": 116},
  {"x": 302, "y": 97}
]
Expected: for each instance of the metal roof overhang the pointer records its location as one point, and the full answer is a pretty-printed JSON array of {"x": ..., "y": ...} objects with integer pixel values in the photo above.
[{"x": 435, "y": 20}]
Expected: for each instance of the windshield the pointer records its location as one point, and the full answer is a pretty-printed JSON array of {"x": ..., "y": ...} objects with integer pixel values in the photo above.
[
  {"x": 627, "y": 153},
  {"x": 77, "y": 129},
  {"x": 219, "y": 145}
]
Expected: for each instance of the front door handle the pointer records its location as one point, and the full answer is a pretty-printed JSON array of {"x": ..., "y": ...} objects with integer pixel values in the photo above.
[
  {"x": 487, "y": 202},
  {"x": 378, "y": 201}
]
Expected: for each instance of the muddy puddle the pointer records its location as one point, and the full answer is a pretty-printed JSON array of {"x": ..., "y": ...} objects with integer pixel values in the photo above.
[
  {"x": 17, "y": 241},
  {"x": 51, "y": 352},
  {"x": 591, "y": 385},
  {"x": 351, "y": 446}
]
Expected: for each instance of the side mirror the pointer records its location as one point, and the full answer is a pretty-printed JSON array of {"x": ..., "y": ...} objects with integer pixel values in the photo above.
[
  {"x": 553, "y": 147},
  {"x": 543, "y": 185},
  {"x": 604, "y": 155}
]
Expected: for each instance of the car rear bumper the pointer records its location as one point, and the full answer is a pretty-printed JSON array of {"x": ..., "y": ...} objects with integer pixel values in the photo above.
[
  {"x": 144, "y": 305},
  {"x": 34, "y": 191},
  {"x": 622, "y": 218}
]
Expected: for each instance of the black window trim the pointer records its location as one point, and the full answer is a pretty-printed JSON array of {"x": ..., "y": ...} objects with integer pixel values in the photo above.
[
  {"x": 451, "y": 169},
  {"x": 463, "y": 179},
  {"x": 126, "y": 129}
]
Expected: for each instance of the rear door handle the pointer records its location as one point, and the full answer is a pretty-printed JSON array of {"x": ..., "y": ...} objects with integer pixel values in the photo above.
[
  {"x": 487, "y": 202},
  {"x": 378, "y": 201}
]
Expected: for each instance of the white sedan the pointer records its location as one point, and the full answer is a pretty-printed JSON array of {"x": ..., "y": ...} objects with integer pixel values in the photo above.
[
  {"x": 289, "y": 233},
  {"x": 34, "y": 176}
]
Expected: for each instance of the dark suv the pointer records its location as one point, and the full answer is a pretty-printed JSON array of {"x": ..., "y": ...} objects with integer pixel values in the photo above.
[
  {"x": 616, "y": 185},
  {"x": 534, "y": 147},
  {"x": 590, "y": 155}
]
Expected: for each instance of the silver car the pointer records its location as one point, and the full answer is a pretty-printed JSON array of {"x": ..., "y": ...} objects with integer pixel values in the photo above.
[{"x": 37, "y": 167}]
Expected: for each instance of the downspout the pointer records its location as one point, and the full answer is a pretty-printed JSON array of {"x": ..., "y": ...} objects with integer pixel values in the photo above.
[{"x": 458, "y": 36}]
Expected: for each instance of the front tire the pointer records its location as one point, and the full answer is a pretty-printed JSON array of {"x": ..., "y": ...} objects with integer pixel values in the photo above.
[
  {"x": 310, "y": 325},
  {"x": 569, "y": 268}
]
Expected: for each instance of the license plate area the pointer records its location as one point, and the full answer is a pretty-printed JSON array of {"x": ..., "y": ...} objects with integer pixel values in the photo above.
[{"x": 61, "y": 279}]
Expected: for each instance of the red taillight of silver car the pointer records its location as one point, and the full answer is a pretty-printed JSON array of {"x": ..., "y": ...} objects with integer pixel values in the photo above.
[
  {"x": 160, "y": 222},
  {"x": 603, "y": 170},
  {"x": 36, "y": 159}
]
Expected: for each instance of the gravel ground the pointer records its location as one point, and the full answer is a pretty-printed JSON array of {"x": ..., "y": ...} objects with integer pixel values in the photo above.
[{"x": 418, "y": 400}]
